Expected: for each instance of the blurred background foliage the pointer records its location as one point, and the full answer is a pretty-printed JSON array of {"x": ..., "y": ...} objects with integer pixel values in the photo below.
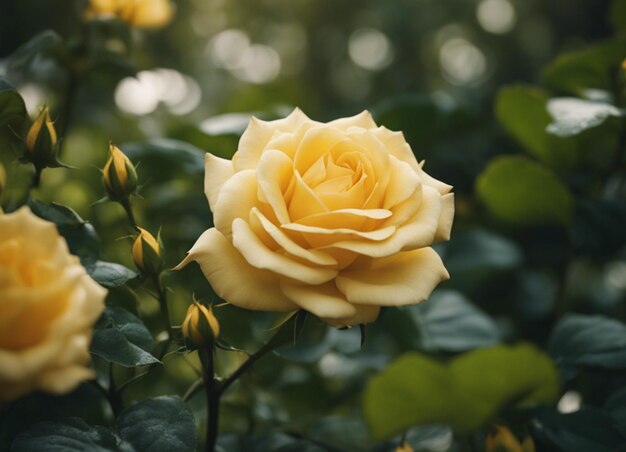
[{"x": 539, "y": 229}]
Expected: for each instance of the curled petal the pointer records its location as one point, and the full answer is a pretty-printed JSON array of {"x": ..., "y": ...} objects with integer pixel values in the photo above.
[
  {"x": 446, "y": 219},
  {"x": 364, "y": 314},
  {"x": 403, "y": 279},
  {"x": 402, "y": 184},
  {"x": 427, "y": 179},
  {"x": 324, "y": 301},
  {"x": 232, "y": 278},
  {"x": 259, "y": 256},
  {"x": 236, "y": 199},
  {"x": 258, "y": 134},
  {"x": 418, "y": 232},
  {"x": 363, "y": 120},
  {"x": 274, "y": 173},
  {"x": 397, "y": 146},
  {"x": 216, "y": 172}
]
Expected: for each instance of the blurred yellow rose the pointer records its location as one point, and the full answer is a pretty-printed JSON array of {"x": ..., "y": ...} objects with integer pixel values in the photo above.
[
  {"x": 336, "y": 219},
  {"x": 136, "y": 13},
  {"x": 48, "y": 305}
]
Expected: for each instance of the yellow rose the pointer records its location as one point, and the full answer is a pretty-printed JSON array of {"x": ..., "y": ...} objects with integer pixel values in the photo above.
[
  {"x": 136, "y": 13},
  {"x": 48, "y": 305},
  {"x": 336, "y": 219}
]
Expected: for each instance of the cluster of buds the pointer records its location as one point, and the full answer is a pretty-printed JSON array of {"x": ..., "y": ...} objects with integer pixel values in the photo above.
[
  {"x": 147, "y": 253},
  {"x": 136, "y": 13},
  {"x": 503, "y": 440},
  {"x": 200, "y": 328},
  {"x": 42, "y": 142},
  {"x": 120, "y": 177}
]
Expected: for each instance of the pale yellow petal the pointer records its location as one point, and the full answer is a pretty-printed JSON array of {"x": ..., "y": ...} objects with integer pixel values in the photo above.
[
  {"x": 418, "y": 232},
  {"x": 364, "y": 314},
  {"x": 304, "y": 201},
  {"x": 427, "y": 179},
  {"x": 274, "y": 175},
  {"x": 316, "y": 142},
  {"x": 324, "y": 301},
  {"x": 396, "y": 145},
  {"x": 403, "y": 279},
  {"x": 363, "y": 120},
  {"x": 446, "y": 219},
  {"x": 402, "y": 184},
  {"x": 237, "y": 197},
  {"x": 376, "y": 235},
  {"x": 216, "y": 172},
  {"x": 232, "y": 278},
  {"x": 257, "y": 135},
  {"x": 291, "y": 247},
  {"x": 259, "y": 256}
]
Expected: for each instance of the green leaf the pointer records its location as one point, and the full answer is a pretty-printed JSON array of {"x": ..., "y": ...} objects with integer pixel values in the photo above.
[
  {"x": 593, "y": 67},
  {"x": 110, "y": 274},
  {"x": 572, "y": 116},
  {"x": 598, "y": 228},
  {"x": 12, "y": 107},
  {"x": 121, "y": 338},
  {"x": 524, "y": 193},
  {"x": 163, "y": 155},
  {"x": 588, "y": 341},
  {"x": 69, "y": 435},
  {"x": 616, "y": 407},
  {"x": 59, "y": 214},
  {"x": 161, "y": 424},
  {"x": 589, "y": 429},
  {"x": 466, "y": 393},
  {"x": 449, "y": 322},
  {"x": 521, "y": 109},
  {"x": 47, "y": 42}
]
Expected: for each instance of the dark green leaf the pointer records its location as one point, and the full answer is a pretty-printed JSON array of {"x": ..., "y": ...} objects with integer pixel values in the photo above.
[
  {"x": 110, "y": 274},
  {"x": 594, "y": 341},
  {"x": 165, "y": 155},
  {"x": 159, "y": 424},
  {"x": 45, "y": 43},
  {"x": 616, "y": 407},
  {"x": 599, "y": 225},
  {"x": 524, "y": 193},
  {"x": 313, "y": 342},
  {"x": 12, "y": 108},
  {"x": 69, "y": 435},
  {"x": 120, "y": 337},
  {"x": 466, "y": 393},
  {"x": 449, "y": 322},
  {"x": 593, "y": 67},
  {"x": 57, "y": 213},
  {"x": 589, "y": 429},
  {"x": 571, "y": 116}
]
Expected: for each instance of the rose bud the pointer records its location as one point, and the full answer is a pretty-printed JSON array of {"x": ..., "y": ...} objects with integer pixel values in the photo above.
[
  {"x": 147, "y": 253},
  {"x": 3, "y": 179},
  {"x": 120, "y": 177},
  {"x": 200, "y": 328},
  {"x": 404, "y": 447},
  {"x": 41, "y": 141},
  {"x": 136, "y": 13},
  {"x": 502, "y": 440}
]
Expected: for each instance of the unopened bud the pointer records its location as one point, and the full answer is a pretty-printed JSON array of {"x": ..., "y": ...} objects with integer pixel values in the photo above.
[
  {"x": 147, "y": 253},
  {"x": 41, "y": 141},
  {"x": 200, "y": 328},
  {"x": 120, "y": 177},
  {"x": 502, "y": 440},
  {"x": 404, "y": 447},
  {"x": 3, "y": 182}
]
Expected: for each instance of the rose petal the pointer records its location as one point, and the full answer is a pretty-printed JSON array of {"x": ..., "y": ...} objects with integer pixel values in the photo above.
[
  {"x": 363, "y": 120},
  {"x": 232, "y": 278},
  {"x": 316, "y": 142},
  {"x": 417, "y": 232},
  {"x": 216, "y": 172},
  {"x": 402, "y": 184},
  {"x": 259, "y": 256},
  {"x": 236, "y": 199},
  {"x": 274, "y": 174},
  {"x": 282, "y": 239},
  {"x": 257, "y": 135},
  {"x": 304, "y": 201},
  {"x": 378, "y": 234},
  {"x": 446, "y": 219},
  {"x": 427, "y": 179},
  {"x": 403, "y": 279},
  {"x": 364, "y": 314},
  {"x": 324, "y": 301},
  {"x": 397, "y": 146}
]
